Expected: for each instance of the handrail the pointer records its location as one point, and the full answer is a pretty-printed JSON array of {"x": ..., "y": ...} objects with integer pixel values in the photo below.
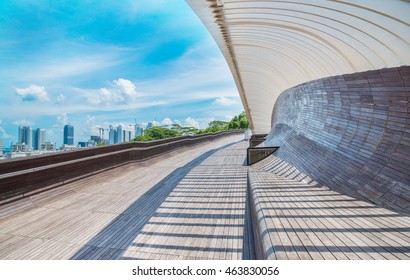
[
  {"x": 17, "y": 164},
  {"x": 22, "y": 176}
]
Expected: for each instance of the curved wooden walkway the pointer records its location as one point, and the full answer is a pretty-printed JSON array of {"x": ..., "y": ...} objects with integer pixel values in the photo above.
[
  {"x": 187, "y": 204},
  {"x": 200, "y": 203}
]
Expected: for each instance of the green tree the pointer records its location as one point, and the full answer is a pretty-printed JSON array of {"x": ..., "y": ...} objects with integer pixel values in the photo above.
[
  {"x": 188, "y": 129},
  {"x": 221, "y": 125},
  {"x": 243, "y": 121},
  {"x": 176, "y": 127},
  {"x": 215, "y": 126},
  {"x": 156, "y": 133},
  {"x": 239, "y": 122},
  {"x": 142, "y": 138},
  {"x": 160, "y": 132}
]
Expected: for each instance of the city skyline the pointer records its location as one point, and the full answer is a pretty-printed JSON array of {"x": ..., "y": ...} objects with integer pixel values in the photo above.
[
  {"x": 77, "y": 71},
  {"x": 94, "y": 130},
  {"x": 35, "y": 137}
]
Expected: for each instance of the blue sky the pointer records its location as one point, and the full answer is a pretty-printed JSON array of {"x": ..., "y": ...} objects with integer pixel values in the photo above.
[{"x": 95, "y": 63}]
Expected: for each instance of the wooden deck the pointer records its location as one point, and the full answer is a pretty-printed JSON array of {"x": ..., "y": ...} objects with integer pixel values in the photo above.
[
  {"x": 188, "y": 204},
  {"x": 298, "y": 218},
  {"x": 196, "y": 203}
]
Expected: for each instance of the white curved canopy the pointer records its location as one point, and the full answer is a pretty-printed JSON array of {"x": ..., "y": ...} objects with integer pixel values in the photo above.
[{"x": 271, "y": 45}]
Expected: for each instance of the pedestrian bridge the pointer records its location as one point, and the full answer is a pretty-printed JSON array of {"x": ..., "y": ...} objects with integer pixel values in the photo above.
[
  {"x": 328, "y": 82},
  {"x": 200, "y": 202}
]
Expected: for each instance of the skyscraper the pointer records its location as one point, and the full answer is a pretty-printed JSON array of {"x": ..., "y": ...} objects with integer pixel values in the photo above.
[
  {"x": 1, "y": 147},
  {"x": 126, "y": 135},
  {"x": 138, "y": 130},
  {"x": 25, "y": 135},
  {"x": 123, "y": 134},
  {"x": 112, "y": 135},
  {"x": 120, "y": 138},
  {"x": 68, "y": 134},
  {"x": 39, "y": 137}
]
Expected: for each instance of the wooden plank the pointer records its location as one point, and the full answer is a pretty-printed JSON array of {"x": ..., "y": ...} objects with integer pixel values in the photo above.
[
  {"x": 318, "y": 220},
  {"x": 72, "y": 220}
]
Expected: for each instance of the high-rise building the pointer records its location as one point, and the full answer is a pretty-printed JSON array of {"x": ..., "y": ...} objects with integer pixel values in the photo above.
[
  {"x": 150, "y": 125},
  {"x": 120, "y": 138},
  {"x": 124, "y": 134},
  {"x": 112, "y": 135},
  {"x": 131, "y": 129},
  {"x": 68, "y": 134},
  {"x": 39, "y": 138},
  {"x": 1, "y": 147},
  {"x": 138, "y": 130},
  {"x": 25, "y": 135}
]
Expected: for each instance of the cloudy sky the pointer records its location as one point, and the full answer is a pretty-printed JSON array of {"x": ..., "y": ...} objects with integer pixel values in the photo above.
[{"x": 95, "y": 63}]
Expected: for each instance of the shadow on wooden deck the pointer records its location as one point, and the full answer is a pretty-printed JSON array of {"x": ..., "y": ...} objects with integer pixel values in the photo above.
[{"x": 114, "y": 239}]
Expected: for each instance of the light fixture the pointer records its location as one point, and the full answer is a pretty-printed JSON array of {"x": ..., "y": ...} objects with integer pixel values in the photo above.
[{"x": 220, "y": 3}]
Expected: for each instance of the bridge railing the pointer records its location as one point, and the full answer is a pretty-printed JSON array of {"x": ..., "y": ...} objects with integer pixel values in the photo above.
[{"x": 25, "y": 176}]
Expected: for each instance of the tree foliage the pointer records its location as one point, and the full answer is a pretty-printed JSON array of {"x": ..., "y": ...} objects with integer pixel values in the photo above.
[
  {"x": 239, "y": 122},
  {"x": 215, "y": 126},
  {"x": 142, "y": 138},
  {"x": 156, "y": 132}
]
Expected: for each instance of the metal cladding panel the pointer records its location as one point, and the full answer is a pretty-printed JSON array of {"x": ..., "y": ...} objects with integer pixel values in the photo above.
[{"x": 271, "y": 45}]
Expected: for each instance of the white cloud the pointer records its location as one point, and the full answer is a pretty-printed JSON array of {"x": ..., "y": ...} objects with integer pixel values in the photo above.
[
  {"x": 3, "y": 133},
  {"x": 90, "y": 122},
  {"x": 126, "y": 88},
  {"x": 33, "y": 93},
  {"x": 62, "y": 120},
  {"x": 188, "y": 79},
  {"x": 84, "y": 128},
  {"x": 88, "y": 59},
  {"x": 177, "y": 122},
  {"x": 229, "y": 118},
  {"x": 50, "y": 132},
  {"x": 108, "y": 97},
  {"x": 95, "y": 99},
  {"x": 92, "y": 128},
  {"x": 166, "y": 121},
  {"x": 224, "y": 101},
  {"x": 60, "y": 99},
  {"x": 155, "y": 123},
  {"x": 23, "y": 122},
  {"x": 191, "y": 122},
  {"x": 122, "y": 92}
]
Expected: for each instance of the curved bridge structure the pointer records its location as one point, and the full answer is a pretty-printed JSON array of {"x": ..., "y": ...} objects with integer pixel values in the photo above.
[
  {"x": 330, "y": 81},
  {"x": 327, "y": 80},
  {"x": 273, "y": 45}
]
